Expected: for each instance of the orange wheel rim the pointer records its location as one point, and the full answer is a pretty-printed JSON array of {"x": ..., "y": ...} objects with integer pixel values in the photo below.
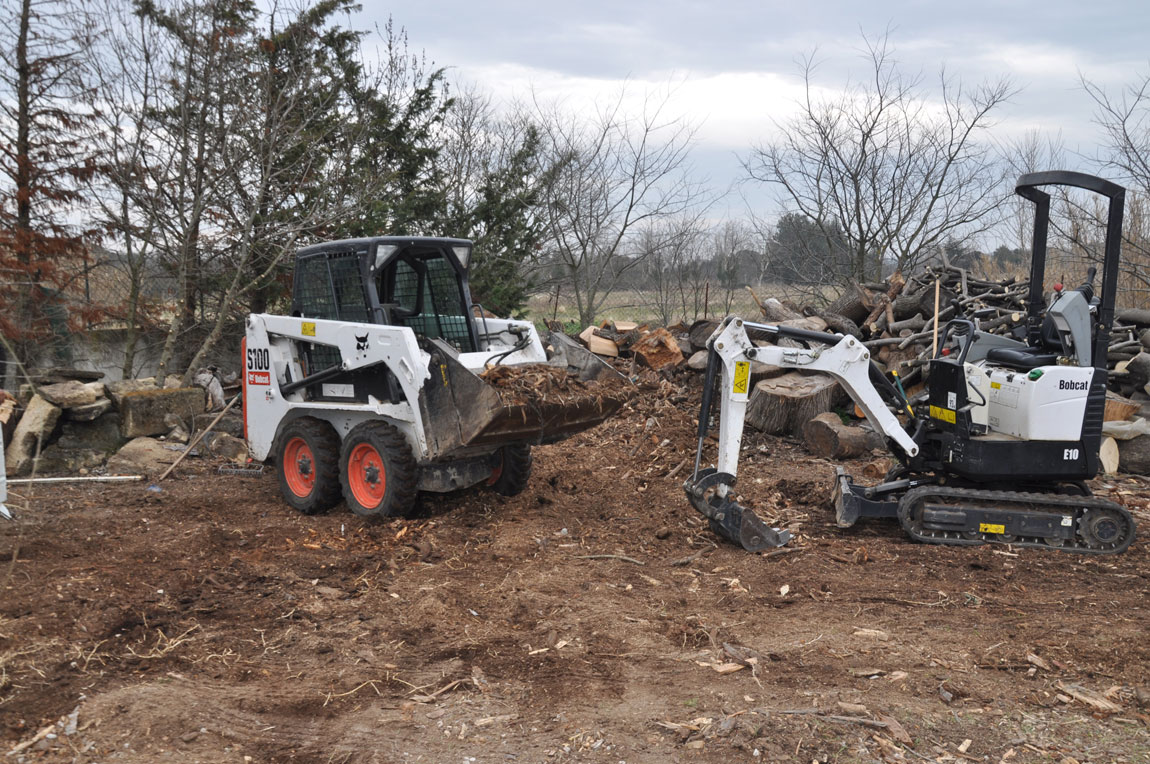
[
  {"x": 299, "y": 467},
  {"x": 497, "y": 472},
  {"x": 366, "y": 475}
]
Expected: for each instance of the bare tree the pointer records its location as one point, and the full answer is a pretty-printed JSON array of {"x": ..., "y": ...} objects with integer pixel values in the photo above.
[
  {"x": 491, "y": 162},
  {"x": 898, "y": 172},
  {"x": 1125, "y": 122},
  {"x": 126, "y": 89},
  {"x": 44, "y": 159},
  {"x": 733, "y": 263},
  {"x": 673, "y": 268},
  {"x": 612, "y": 174}
]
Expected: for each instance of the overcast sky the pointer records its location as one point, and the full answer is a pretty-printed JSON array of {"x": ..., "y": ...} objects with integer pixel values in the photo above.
[{"x": 734, "y": 63}]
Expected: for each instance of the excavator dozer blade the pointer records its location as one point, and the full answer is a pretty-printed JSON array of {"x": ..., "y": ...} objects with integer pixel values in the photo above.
[
  {"x": 462, "y": 410},
  {"x": 728, "y": 519}
]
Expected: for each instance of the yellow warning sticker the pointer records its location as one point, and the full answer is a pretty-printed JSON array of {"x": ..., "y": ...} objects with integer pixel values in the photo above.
[
  {"x": 938, "y": 412},
  {"x": 443, "y": 371},
  {"x": 307, "y": 329},
  {"x": 996, "y": 385},
  {"x": 991, "y": 528},
  {"x": 742, "y": 377}
]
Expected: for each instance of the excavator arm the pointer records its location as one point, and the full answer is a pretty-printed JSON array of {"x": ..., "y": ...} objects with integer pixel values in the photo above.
[{"x": 728, "y": 378}]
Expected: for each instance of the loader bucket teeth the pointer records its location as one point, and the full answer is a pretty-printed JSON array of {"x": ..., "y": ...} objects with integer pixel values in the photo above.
[{"x": 727, "y": 518}]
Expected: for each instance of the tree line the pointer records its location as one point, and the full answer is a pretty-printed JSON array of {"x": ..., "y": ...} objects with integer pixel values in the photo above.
[{"x": 163, "y": 159}]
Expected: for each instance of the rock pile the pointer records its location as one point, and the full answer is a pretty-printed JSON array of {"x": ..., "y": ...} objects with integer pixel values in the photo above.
[{"x": 77, "y": 426}]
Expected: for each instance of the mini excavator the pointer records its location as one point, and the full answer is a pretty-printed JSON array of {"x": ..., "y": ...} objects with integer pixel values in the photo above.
[{"x": 997, "y": 449}]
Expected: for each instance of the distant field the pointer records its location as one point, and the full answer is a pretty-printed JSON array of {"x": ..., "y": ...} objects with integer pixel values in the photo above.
[{"x": 635, "y": 305}]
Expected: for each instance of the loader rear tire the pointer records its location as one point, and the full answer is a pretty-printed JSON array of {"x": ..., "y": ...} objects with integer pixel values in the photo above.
[
  {"x": 377, "y": 471},
  {"x": 307, "y": 461},
  {"x": 510, "y": 477}
]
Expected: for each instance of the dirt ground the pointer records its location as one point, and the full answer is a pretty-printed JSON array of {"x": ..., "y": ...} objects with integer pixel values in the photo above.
[{"x": 591, "y": 619}]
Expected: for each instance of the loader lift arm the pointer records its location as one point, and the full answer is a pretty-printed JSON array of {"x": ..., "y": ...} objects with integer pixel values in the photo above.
[{"x": 730, "y": 354}]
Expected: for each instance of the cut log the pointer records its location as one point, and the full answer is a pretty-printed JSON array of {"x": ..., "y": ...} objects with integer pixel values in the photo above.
[
  {"x": 1109, "y": 455},
  {"x": 598, "y": 345},
  {"x": 1134, "y": 316},
  {"x": 1134, "y": 455},
  {"x": 841, "y": 325},
  {"x": 784, "y": 404},
  {"x": 828, "y": 437},
  {"x": 775, "y": 312},
  {"x": 1118, "y": 408},
  {"x": 658, "y": 350},
  {"x": 700, "y": 332},
  {"x": 853, "y": 304},
  {"x": 1138, "y": 371}
]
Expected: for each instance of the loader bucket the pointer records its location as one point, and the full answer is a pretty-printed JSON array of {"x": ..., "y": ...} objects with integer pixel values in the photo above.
[{"x": 509, "y": 404}]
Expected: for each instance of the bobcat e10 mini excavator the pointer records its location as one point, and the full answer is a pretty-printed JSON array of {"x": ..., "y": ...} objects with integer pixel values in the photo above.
[
  {"x": 1001, "y": 444},
  {"x": 370, "y": 391}
]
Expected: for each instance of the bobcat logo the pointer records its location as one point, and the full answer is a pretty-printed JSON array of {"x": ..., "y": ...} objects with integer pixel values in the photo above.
[{"x": 361, "y": 342}]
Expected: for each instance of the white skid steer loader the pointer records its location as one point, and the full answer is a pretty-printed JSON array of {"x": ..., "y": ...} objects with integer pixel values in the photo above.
[{"x": 370, "y": 391}]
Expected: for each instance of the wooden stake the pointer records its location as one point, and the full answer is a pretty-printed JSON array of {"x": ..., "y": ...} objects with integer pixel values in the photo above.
[
  {"x": 934, "y": 339},
  {"x": 199, "y": 437}
]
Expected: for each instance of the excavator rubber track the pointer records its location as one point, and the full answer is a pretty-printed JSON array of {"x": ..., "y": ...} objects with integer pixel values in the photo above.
[{"x": 968, "y": 517}]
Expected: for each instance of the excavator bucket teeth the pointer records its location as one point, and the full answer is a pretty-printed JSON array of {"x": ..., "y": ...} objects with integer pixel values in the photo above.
[{"x": 727, "y": 518}]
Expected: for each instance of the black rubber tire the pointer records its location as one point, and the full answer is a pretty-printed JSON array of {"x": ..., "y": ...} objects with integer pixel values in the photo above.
[
  {"x": 382, "y": 453},
  {"x": 514, "y": 470},
  {"x": 318, "y": 464}
]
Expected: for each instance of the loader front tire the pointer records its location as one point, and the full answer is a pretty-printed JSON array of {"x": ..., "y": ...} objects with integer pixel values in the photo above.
[
  {"x": 377, "y": 471},
  {"x": 510, "y": 477},
  {"x": 307, "y": 461}
]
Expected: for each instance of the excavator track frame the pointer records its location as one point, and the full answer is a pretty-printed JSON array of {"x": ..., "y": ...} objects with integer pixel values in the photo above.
[{"x": 971, "y": 517}]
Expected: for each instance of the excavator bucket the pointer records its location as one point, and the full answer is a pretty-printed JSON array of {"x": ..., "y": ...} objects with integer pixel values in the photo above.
[
  {"x": 709, "y": 493},
  {"x": 535, "y": 403}
]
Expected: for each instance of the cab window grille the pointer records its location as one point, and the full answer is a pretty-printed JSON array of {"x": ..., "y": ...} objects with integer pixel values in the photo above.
[
  {"x": 447, "y": 304},
  {"x": 429, "y": 292},
  {"x": 313, "y": 294},
  {"x": 329, "y": 287}
]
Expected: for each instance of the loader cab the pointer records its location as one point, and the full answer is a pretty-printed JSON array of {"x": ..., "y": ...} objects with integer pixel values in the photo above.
[{"x": 417, "y": 282}]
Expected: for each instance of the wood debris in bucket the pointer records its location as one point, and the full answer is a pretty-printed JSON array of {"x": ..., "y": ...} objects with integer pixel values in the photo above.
[{"x": 542, "y": 383}]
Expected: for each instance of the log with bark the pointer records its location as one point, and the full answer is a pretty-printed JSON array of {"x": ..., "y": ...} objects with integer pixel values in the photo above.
[
  {"x": 828, "y": 437},
  {"x": 782, "y": 405}
]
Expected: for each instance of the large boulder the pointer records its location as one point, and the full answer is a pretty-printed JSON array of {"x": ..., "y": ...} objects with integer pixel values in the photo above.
[
  {"x": 118, "y": 389},
  {"x": 143, "y": 412},
  {"x": 88, "y": 412},
  {"x": 70, "y": 394},
  {"x": 31, "y": 434},
  {"x": 142, "y": 455},
  {"x": 221, "y": 444},
  {"x": 232, "y": 423},
  {"x": 83, "y": 445}
]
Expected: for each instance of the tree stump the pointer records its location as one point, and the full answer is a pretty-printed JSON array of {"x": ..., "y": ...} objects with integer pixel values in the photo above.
[
  {"x": 658, "y": 350},
  {"x": 784, "y": 404}
]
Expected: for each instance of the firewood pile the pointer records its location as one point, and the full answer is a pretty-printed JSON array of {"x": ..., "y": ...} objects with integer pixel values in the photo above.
[{"x": 653, "y": 348}]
